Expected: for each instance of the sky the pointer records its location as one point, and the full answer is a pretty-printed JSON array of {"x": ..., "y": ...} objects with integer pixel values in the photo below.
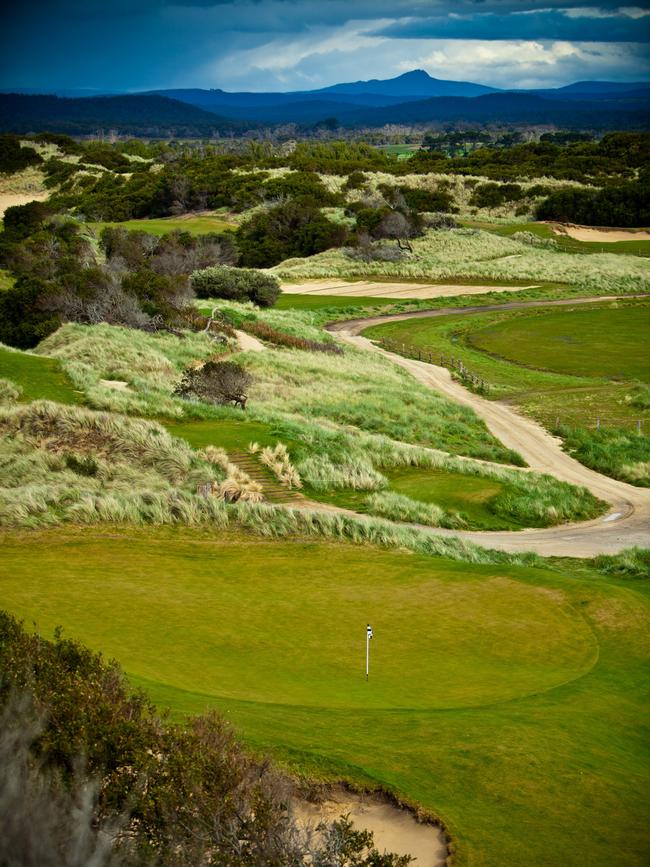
[{"x": 130, "y": 45}]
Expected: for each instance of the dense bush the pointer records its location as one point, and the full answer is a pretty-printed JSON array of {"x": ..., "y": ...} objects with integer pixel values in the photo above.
[
  {"x": 236, "y": 284},
  {"x": 292, "y": 229},
  {"x": 218, "y": 382},
  {"x": 626, "y": 206},
  {"x": 492, "y": 195},
  {"x": 13, "y": 157}
]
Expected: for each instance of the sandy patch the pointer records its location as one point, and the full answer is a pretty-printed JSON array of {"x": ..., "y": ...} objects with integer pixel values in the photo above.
[
  {"x": 115, "y": 384},
  {"x": 394, "y": 830},
  {"x": 248, "y": 343},
  {"x": 396, "y": 290},
  {"x": 8, "y": 200},
  {"x": 587, "y": 233}
]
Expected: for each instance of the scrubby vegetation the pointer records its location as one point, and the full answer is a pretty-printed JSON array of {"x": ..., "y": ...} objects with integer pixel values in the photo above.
[{"x": 236, "y": 284}]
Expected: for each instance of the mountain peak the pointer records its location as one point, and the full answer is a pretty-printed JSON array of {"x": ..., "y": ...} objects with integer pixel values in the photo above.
[{"x": 416, "y": 75}]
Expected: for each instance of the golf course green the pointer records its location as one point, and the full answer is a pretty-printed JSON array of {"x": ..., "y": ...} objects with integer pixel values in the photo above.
[
  {"x": 504, "y": 699},
  {"x": 601, "y": 342}
]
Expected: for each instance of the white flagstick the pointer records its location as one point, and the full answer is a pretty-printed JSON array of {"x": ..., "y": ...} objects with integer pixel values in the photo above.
[{"x": 368, "y": 637}]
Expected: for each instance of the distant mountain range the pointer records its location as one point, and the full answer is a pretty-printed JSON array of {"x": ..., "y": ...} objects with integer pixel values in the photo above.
[{"x": 414, "y": 97}]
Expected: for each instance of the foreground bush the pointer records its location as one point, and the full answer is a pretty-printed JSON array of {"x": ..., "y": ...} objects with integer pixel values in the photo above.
[
  {"x": 236, "y": 284},
  {"x": 219, "y": 382}
]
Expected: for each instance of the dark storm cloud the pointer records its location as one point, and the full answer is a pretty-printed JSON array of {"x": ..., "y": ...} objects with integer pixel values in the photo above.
[{"x": 300, "y": 44}]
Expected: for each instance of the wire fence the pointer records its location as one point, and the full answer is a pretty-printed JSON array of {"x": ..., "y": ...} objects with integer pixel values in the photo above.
[{"x": 478, "y": 384}]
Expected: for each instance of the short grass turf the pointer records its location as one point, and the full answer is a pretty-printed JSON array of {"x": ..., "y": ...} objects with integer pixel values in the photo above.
[
  {"x": 454, "y": 492},
  {"x": 288, "y": 301},
  {"x": 566, "y": 397},
  {"x": 203, "y": 225},
  {"x": 506, "y": 700},
  {"x": 40, "y": 378},
  {"x": 603, "y": 342}
]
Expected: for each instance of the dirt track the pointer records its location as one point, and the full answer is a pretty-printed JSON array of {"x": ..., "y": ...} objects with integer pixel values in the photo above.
[{"x": 627, "y": 522}]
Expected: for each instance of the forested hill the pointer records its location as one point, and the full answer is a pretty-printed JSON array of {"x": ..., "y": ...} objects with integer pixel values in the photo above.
[
  {"x": 509, "y": 108},
  {"x": 137, "y": 114}
]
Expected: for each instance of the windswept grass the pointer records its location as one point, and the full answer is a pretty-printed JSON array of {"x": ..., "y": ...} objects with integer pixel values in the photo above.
[
  {"x": 471, "y": 253},
  {"x": 149, "y": 364},
  {"x": 61, "y": 463}
]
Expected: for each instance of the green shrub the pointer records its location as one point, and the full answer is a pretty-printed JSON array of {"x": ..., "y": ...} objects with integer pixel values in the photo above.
[{"x": 236, "y": 284}]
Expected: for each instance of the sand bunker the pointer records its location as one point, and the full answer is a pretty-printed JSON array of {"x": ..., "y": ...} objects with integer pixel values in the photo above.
[
  {"x": 600, "y": 236},
  {"x": 394, "y": 830},
  {"x": 364, "y": 288},
  {"x": 8, "y": 200}
]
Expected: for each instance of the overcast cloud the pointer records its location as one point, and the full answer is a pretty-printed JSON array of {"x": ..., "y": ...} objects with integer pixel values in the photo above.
[{"x": 297, "y": 44}]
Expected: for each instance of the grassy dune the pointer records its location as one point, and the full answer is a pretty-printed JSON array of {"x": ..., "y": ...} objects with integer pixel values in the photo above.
[
  {"x": 505, "y": 699},
  {"x": 471, "y": 253}
]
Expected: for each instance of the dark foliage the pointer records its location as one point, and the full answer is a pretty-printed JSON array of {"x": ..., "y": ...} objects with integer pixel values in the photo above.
[
  {"x": 219, "y": 382},
  {"x": 236, "y": 284},
  {"x": 14, "y": 158},
  {"x": 295, "y": 228},
  {"x": 492, "y": 195},
  {"x": 626, "y": 206}
]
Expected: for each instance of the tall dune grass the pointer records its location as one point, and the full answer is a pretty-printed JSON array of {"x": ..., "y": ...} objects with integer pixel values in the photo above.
[{"x": 477, "y": 254}]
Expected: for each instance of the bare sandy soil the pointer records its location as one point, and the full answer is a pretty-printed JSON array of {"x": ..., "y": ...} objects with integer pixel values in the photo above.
[
  {"x": 115, "y": 384},
  {"x": 8, "y": 200},
  {"x": 365, "y": 288},
  {"x": 248, "y": 343},
  {"x": 627, "y": 522},
  {"x": 588, "y": 233},
  {"x": 394, "y": 830}
]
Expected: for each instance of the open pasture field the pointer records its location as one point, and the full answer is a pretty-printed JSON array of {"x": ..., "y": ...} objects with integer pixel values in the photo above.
[
  {"x": 194, "y": 224},
  {"x": 505, "y": 699}
]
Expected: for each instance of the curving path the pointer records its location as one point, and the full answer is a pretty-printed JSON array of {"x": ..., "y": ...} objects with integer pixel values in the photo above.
[{"x": 627, "y": 523}]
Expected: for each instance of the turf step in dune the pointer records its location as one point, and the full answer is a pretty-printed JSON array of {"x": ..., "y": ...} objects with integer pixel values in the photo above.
[{"x": 271, "y": 488}]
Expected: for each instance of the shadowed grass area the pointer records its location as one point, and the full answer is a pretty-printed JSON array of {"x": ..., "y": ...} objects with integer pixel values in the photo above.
[
  {"x": 38, "y": 377},
  {"x": 505, "y": 699}
]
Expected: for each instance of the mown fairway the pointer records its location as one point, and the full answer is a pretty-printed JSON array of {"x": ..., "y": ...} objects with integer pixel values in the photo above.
[
  {"x": 604, "y": 343},
  {"x": 39, "y": 378},
  {"x": 202, "y": 225},
  {"x": 507, "y": 700}
]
